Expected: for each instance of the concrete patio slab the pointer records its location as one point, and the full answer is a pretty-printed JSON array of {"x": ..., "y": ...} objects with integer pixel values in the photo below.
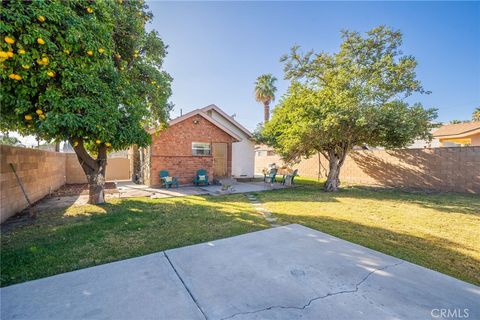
[
  {"x": 140, "y": 288},
  {"x": 129, "y": 189},
  {"x": 289, "y": 272},
  {"x": 294, "y": 272}
]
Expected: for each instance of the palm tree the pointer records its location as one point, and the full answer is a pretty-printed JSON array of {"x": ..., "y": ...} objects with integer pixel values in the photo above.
[
  {"x": 265, "y": 92},
  {"x": 476, "y": 114}
]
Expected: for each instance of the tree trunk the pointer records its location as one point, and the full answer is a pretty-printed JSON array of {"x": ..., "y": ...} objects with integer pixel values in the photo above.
[
  {"x": 335, "y": 161},
  {"x": 266, "y": 112},
  {"x": 94, "y": 170}
]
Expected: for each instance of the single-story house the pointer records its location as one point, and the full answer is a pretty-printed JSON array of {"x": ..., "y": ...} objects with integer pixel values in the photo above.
[
  {"x": 460, "y": 134},
  {"x": 205, "y": 138}
]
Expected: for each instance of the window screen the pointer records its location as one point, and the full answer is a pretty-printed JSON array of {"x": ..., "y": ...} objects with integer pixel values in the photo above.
[{"x": 201, "y": 149}]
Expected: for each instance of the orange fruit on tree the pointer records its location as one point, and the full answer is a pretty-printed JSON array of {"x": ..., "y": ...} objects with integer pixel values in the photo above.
[
  {"x": 28, "y": 117},
  {"x": 108, "y": 144},
  {"x": 40, "y": 41},
  {"x": 66, "y": 51},
  {"x": 101, "y": 50},
  {"x": 41, "y": 18},
  {"x": 18, "y": 77},
  {"x": 90, "y": 52},
  {"x": 21, "y": 51},
  {"x": 89, "y": 10},
  {"x": 10, "y": 54},
  {"x": 3, "y": 55},
  {"x": 9, "y": 40},
  {"x": 39, "y": 111},
  {"x": 25, "y": 66},
  {"x": 41, "y": 116},
  {"x": 51, "y": 74}
]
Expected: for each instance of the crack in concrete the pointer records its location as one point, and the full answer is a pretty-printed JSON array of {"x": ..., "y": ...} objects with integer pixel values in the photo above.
[
  {"x": 186, "y": 287},
  {"x": 357, "y": 286}
]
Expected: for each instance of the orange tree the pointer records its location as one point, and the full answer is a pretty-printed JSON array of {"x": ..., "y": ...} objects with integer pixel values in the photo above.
[{"x": 82, "y": 71}]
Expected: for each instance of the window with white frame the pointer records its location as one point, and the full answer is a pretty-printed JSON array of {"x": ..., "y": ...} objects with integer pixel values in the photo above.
[{"x": 201, "y": 149}]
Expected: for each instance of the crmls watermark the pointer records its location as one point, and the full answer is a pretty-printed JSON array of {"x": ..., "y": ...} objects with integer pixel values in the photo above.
[{"x": 450, "y": 313}]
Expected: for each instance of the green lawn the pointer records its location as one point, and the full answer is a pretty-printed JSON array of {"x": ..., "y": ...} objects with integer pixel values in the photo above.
[
  {"x": 437, "y": 231},
  {"x": 83, "y": 236}
]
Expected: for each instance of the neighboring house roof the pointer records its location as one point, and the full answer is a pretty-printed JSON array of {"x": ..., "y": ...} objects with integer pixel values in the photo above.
[
  {"x": 207, "y": 117},
  {"x": 229, "y": 118},
  {"x": 457, "y": 130}
]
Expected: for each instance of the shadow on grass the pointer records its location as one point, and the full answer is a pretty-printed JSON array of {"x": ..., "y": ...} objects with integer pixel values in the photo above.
[
  {"x": 84, "y": 236},
  {"x": 310, "y": 190},
  {"x": 433, "y": 252}
]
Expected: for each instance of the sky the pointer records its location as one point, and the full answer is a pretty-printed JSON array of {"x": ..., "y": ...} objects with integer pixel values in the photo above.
[{"x": 217, "y": 49}]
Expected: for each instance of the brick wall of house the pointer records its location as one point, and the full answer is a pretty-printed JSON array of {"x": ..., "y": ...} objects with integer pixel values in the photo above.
[
  {"x": 171, "y": 149},
  {"x": 455, "y": 169}
]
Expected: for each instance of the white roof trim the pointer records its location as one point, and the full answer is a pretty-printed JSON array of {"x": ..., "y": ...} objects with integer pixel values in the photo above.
[
  {"x": 207, "y": 117},
  {"x": 229, "y": 118}
]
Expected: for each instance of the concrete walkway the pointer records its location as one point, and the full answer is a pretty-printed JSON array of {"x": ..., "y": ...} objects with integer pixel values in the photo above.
[
  {"x": 128, "y": 189},
  {"x": 289, "y": 272}
]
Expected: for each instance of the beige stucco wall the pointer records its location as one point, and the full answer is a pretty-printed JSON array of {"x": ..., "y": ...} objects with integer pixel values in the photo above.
[
  {"x": 42, "y": 172},
  {"x": 117, "y": 169},
  {"x": 454, "y": 169}
]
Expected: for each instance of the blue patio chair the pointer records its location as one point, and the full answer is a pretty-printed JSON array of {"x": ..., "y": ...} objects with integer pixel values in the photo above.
[
  {"x": 201, "y": 177},
  {"x": 167, "y": 180}
]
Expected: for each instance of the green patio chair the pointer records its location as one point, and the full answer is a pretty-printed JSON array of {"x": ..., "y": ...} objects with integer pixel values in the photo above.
[
  {"x": 201, "y": 177},
  {"x": 271, "y": 176},
  {"x": 167, "y": 180}
]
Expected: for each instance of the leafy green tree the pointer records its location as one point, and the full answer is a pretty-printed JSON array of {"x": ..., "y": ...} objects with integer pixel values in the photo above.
[
  {"x": 476, "y": 114},
  {"x": 354, "y": 97},
  {"x": 11, "y": 141},
  {"x": 265, "y": 93},
  {"x": 82, "y": 71}
]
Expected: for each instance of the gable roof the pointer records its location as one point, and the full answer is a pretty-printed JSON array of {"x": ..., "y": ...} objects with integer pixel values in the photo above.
[
  {"x": 228, "y": 118},
  {"x": 459, "y": 129},
  {"x": 207, "y": 117}
]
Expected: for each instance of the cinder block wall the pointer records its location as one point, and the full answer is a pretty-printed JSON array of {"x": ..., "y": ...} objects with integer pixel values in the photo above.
[
  {"x": 117, "y": 169},
  {"x": 455, "y": 169},
  {"x": 41, "y": 172}
]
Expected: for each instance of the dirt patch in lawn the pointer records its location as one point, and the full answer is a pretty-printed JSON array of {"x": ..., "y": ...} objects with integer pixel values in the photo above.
[
  {"x": 81, "y": 188},
  {"x": 65, "y": 196}
]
